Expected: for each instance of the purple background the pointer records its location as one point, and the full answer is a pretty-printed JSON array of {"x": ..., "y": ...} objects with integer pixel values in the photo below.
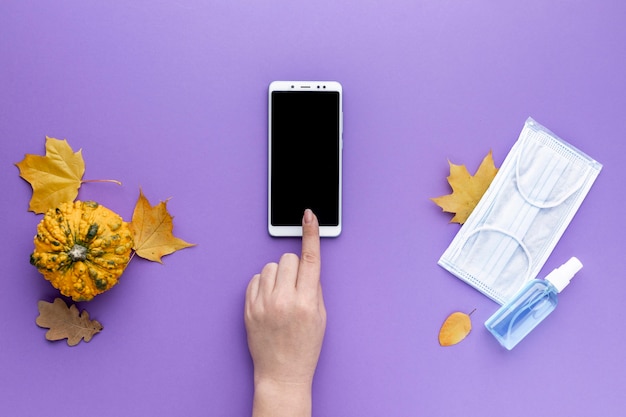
[{"x": 170, "y": 96}]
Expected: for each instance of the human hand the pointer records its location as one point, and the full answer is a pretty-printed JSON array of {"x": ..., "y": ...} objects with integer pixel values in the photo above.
[{"x": 285, "y": 319}]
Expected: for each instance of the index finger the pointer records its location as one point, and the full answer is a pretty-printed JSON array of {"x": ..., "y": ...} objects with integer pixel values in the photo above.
[{"x": 310, "y": 259}]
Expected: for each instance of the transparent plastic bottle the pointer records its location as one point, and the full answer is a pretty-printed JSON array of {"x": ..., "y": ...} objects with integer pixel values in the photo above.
[{"x": 533, "y": 303}]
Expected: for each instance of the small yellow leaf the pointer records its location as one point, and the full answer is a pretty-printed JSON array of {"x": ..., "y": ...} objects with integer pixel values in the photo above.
[
  {"x": 467, "y": 190},
  {"x": 55, "y": 177},
  {"x": 455, "y": 328},
  {"x": 152, "y": 227}
]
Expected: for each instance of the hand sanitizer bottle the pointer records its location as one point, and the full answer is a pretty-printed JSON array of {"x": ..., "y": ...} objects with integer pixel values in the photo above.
[{"x": 533, "y": 303}]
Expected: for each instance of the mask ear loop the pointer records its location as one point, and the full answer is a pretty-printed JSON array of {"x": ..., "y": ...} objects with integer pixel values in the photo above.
[
  {"x": 521, "y": 244},
  {"x": 526, "y": 196}
]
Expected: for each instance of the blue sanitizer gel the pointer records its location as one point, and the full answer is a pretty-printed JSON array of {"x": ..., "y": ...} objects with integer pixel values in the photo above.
[{"x": 533, "y": 303}]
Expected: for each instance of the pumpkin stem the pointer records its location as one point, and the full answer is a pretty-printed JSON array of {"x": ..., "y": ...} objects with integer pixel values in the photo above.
[{"x": 78, "y": 253}]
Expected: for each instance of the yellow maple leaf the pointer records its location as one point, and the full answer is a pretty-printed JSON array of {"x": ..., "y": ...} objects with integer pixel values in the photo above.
[
  {"x": 55, "y": 177},
  {"x": 152, "y": 227},
  {"x": 467, "y": 190}
]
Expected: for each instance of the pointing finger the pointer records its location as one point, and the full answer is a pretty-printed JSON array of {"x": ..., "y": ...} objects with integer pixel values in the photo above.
[{"x": 310, "y": 260}]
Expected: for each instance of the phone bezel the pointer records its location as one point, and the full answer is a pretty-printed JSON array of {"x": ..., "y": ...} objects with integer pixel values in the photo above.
[{"x": 314, "y": 86}]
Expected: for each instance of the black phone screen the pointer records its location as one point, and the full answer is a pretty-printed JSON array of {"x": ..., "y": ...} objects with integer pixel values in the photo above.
[{"x": 305, "y": 156}]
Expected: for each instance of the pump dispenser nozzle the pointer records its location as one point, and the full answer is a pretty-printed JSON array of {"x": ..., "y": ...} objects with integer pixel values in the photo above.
[{"x": 562, "y": 275}]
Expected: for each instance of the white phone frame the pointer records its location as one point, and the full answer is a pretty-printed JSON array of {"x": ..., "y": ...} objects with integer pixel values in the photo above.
[{"x": 287, "y": 231}]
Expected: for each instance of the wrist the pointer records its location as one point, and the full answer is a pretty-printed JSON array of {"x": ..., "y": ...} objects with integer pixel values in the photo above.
[{"x": 281, "y": 398}]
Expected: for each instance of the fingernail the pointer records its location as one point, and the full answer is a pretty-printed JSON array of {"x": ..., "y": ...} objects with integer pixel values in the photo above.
[{"x": 308, "y": 216}]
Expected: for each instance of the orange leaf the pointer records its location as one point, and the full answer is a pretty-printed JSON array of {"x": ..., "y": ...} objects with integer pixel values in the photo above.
[
  {"x": 152, "y": 227},
  {"x": 455, "y": 328},
  {"x": 55, "y": 177},
  {"x": 467, "y": 190},
  {"x": 66, "y": 323}
]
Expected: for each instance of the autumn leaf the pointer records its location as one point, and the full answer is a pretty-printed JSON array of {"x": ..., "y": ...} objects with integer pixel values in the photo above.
[
  {"x": 455, "y": 328},
  {"x": 66, "y": 323},
  {"x": 152, "y": 227},
  {"x": 55, "y": 177},
  {"x": 467, "y": 190}
]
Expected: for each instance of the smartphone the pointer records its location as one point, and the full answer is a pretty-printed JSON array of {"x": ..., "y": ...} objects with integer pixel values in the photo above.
[{"x": 305, "y": 152}]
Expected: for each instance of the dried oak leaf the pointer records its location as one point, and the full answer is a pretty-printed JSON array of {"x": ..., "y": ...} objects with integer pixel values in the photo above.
[
  {"x": 467, "y": 190},
  {"x": 55, "y": 177},
  {"x": 455, "y": 328},
  {"x": 152, "y": 227},
  {"x": 66, "y": 323}
]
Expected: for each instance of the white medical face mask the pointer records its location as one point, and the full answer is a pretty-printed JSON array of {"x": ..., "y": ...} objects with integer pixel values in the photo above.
[{"x": 519, "y": 220}]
